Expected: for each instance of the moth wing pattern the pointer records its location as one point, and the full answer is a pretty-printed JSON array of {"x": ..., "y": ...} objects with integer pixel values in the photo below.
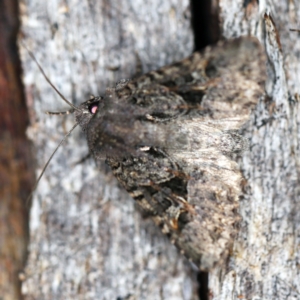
[{"x": 169, "y": 137}]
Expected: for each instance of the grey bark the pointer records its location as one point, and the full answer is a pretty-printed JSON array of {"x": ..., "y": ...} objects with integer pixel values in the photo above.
[
  {"x": 87, "y": 240},
  {"x": 265, "y": 258}
]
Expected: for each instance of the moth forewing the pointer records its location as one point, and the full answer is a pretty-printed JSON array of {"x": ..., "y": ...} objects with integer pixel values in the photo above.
[{"x": 175, "y": 159}]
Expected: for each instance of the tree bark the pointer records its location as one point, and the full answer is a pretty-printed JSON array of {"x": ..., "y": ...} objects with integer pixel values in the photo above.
[
  {"x": 265, "y": 257},
  {"x": 87, "y": 240},
  {"x": 16, "y": 176}
]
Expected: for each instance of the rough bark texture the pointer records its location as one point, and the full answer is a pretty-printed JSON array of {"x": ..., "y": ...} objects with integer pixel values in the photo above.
[
  {"x": 265, "y": 259},
  {"x": 16, "y": 176},
  {"x": 87, "y": 240}
]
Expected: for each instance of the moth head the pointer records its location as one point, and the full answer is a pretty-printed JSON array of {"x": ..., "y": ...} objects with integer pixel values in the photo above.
[{"x": 87, "y": 110}]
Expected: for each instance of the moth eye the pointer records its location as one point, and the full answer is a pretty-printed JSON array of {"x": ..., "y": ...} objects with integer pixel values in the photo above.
[{"x": 93, "y": 108}]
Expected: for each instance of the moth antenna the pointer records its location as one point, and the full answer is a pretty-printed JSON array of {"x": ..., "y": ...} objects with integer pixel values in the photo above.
[
  {"x": 48, "y": 80},
  {"x": 47, "y": 163},
  {"x": 67, "y": 112}
]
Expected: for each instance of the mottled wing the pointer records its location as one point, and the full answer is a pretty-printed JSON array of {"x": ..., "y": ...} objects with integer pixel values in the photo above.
[{"x": 169, "y": 135}]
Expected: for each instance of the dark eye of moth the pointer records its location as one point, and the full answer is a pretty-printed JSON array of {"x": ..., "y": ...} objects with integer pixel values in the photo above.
[{"x": 93, "y": 107}]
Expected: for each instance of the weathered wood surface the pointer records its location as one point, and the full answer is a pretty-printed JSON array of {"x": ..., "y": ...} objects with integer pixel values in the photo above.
[
  {"x": 16, "y": 175},
  {"x": 87, "y": 241},
  {"x": 265, "y": 258}
]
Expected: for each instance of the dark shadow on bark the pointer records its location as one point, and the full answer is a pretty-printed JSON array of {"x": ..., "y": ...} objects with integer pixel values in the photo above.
[
  {"x": 203, "y": 285},
  {"x": 205, "y": 23}
]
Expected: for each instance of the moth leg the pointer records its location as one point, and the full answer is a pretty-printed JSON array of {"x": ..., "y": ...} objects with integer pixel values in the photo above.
[{"x": 83, "y": 159}]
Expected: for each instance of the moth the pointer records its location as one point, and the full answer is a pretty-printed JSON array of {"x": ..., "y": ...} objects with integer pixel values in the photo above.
[{"x": 170, "y": 137}]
